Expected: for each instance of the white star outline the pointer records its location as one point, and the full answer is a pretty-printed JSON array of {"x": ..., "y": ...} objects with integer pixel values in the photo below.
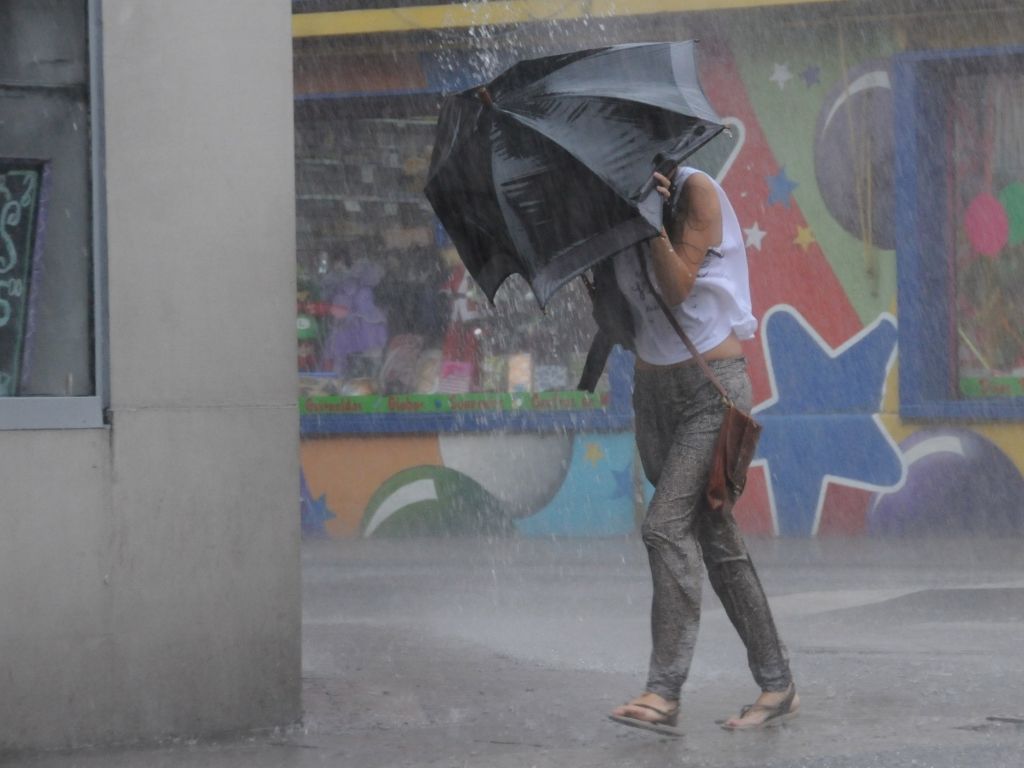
[
  {"x": 833, "y": 353},
  {"x": 781, "y": 75},
  {"x": 754, "y": 236}
]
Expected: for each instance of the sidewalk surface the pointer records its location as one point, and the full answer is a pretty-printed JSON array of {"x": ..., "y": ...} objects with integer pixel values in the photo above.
[{"x": 509, "y": 653}]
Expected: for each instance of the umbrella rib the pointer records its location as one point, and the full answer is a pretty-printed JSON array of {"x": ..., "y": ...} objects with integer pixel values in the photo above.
[{"x": 532, "y": 126}]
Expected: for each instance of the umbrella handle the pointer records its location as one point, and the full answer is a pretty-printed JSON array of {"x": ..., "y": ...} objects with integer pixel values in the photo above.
[
  {"x": 485, "y": 96},
  {"x": 664, "y": 165}
]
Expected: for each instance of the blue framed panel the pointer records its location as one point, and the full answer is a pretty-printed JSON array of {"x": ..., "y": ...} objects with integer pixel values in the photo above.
[
  {"x": 925, "y": 279},
  {"x": 397, "y": 423}
]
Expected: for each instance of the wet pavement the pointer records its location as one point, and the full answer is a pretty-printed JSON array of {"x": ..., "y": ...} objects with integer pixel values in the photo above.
[{"x": 508, "y": 653}]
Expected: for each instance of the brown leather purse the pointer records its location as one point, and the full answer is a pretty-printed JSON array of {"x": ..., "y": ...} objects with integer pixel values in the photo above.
[
  {"x": 734, "y": 450},
  {"x": 737, "y": 438}
]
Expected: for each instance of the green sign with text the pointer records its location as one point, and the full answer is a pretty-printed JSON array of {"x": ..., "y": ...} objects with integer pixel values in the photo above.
[
  {"x": 20, "y": 183},
  {"x": 571, "y": 400}
]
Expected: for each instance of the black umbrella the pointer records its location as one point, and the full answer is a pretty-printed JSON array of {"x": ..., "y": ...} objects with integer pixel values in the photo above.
[{"x": 546, "y": 170}]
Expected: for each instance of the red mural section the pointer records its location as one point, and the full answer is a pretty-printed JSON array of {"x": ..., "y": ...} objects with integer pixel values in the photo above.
[{"x": 787, "y": 266}]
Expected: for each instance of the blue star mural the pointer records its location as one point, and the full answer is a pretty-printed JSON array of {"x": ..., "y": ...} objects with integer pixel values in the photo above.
[
  {"x": 811, "y": 75},
  {"x": 830, "y": 431},
  {"x": 623, "y": 482},
  {"x": 313, "y": 514},
  {"x": 595, "y": 499},
  {"x": 781, "y": 187}
]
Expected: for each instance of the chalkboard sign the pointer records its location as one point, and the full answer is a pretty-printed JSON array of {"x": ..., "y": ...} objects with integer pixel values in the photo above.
[{"x": 20, "y": 184}]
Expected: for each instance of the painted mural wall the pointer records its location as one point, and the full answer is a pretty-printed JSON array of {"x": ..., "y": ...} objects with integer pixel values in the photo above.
[{"x": 809, "y": 167}]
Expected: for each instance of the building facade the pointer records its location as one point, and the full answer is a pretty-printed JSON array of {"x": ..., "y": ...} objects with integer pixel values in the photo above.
[
  {"x": 149, "y": 567},
  {"x": 876, "y": 166}
]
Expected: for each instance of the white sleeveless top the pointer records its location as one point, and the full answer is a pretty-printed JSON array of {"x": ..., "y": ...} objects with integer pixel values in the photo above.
[{"x": 718, "y": 304}]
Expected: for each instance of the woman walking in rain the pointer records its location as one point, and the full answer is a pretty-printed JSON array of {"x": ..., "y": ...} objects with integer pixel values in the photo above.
[{"x": 699, "y": 267}]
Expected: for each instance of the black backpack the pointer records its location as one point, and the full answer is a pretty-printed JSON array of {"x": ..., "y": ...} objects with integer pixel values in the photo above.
[{"x": 614, "y": 321}]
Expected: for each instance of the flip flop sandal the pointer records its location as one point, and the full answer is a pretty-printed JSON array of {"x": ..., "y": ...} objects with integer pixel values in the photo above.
[
  {"x": 776, "y": 714},
  {"x": 666, "y": 725}
]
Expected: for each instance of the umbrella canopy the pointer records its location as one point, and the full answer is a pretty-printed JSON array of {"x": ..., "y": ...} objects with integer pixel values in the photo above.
[{"x": 546, "y": 170}]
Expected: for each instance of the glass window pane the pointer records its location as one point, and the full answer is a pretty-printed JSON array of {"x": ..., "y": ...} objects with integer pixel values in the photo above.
[
  {"x": 42, "y": 42},
  {"x": 45, "y": 268},
  {"x": 988, "y": 217},
  {"x": 385, "y": 305}
]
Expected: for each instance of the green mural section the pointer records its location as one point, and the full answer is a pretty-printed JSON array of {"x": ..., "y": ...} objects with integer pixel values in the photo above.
[
  {"x": 823, "y": 99},
  {"x": 433, "y": 501},
  {"x": 471, "y": 402}
]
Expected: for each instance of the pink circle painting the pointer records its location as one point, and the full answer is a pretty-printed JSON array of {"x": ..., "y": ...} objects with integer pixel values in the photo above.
[{"x": 988, "y": 227}]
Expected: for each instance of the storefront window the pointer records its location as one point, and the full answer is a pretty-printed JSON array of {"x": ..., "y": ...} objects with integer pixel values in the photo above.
[
  {"x": 960, "y": 222},
  {"x": 987, "y": 187},
  {"x": 389, "y": 321},
  {"x": 46, "y": 276}
]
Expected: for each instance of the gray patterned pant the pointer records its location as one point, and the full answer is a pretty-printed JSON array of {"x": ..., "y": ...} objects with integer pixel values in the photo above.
[{"x": 678, "y": 414}]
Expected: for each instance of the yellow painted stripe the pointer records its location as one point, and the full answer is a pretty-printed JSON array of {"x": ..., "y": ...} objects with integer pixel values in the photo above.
[{"x": 458, "y": 15}]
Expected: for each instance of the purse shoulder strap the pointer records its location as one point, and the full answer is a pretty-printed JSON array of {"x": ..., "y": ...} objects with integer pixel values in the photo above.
[{"x": 682, "y": 334}]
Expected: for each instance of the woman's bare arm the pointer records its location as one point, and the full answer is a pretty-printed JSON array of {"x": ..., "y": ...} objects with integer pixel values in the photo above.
[{"x": 679, "y": 254}]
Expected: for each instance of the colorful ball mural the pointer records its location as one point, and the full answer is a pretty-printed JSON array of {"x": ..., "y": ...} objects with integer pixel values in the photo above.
[
  {"x": 987, "y": 225},
  {"x": 958, "y": 483},
  {"x": 524, "y": 471},
  {"x": 853, "y": 153},
  {"x": 433, "y": 501}
]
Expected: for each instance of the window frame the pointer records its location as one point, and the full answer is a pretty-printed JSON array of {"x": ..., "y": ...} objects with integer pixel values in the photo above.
[
  {"x": 616, "y": 416},
  {"x": 927, "y": 337},
  {"x": 89, "y": 411}
]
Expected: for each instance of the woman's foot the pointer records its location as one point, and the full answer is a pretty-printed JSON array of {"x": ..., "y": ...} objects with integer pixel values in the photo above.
[
  {"x": 771, "y": 708},
  {"x": 650, "y": 712}
]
